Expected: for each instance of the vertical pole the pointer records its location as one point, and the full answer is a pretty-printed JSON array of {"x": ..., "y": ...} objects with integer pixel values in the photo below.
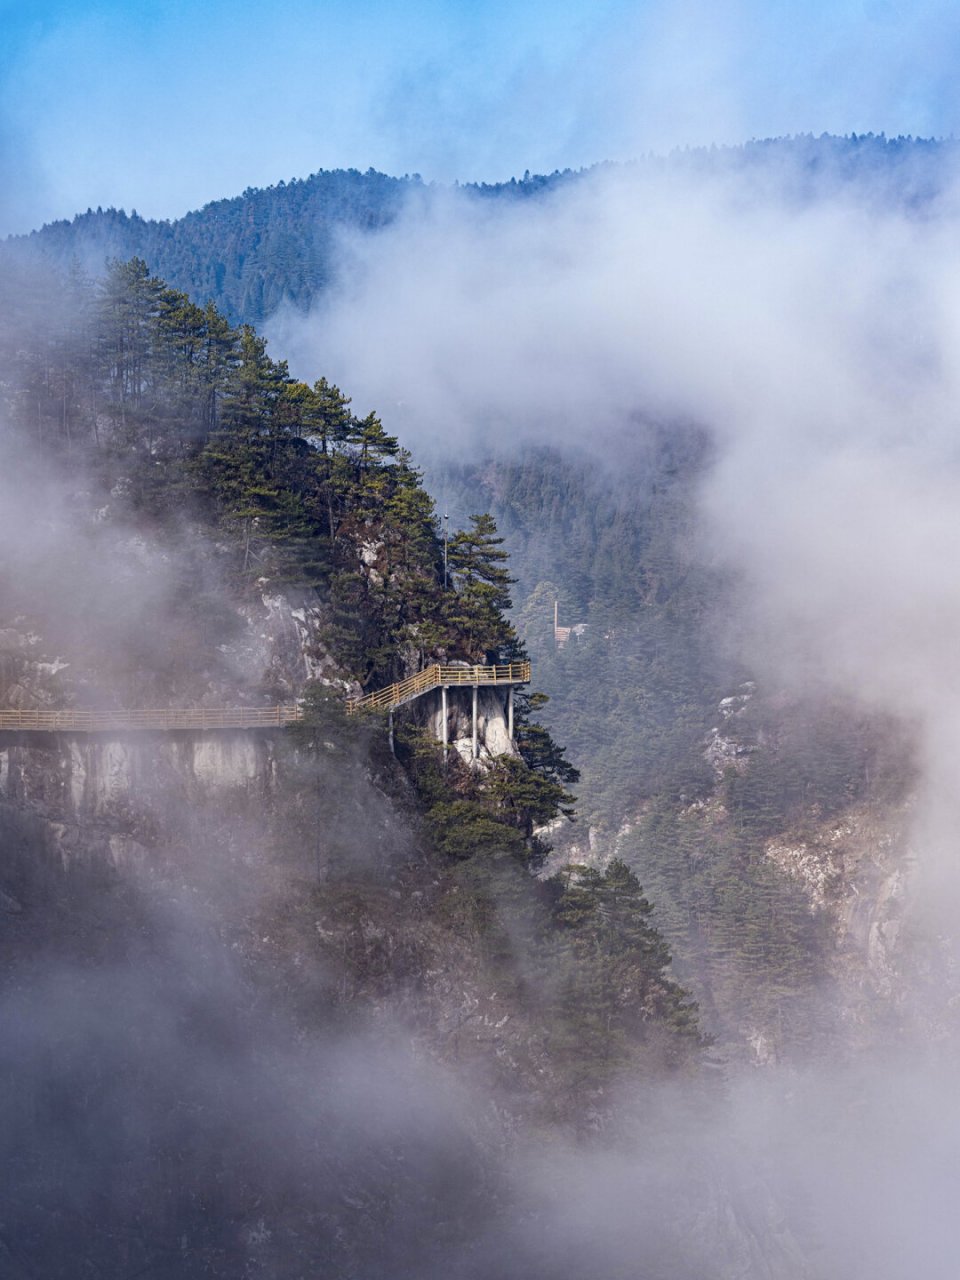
[
  {"x": 390, "y": 732},
  {"x": 446, "y": 535},
  {"x": 443, "y": 721},
  {"x": 476, "y": 695},
  {"x": 319, "y": 837},
  {"x": 510, "y": 713}
]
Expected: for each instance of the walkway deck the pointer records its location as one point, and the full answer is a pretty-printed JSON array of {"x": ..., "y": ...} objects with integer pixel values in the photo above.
[
  {"x": 440, "y": 676},
  {"x": 78, "y": 720},
  {"x": 81, "y": 721}
]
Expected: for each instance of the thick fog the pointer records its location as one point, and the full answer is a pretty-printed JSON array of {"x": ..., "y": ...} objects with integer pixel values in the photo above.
[
  {"x": 818, "y": 342},
  {"x": 165, "y": 1112},
  {"x": 182, "y": 1093}
]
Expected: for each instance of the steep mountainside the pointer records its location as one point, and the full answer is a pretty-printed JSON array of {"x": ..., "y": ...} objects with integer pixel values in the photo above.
[
  {"x": 650, "y": 699},
  {"x": 281, "y": 1001},
  {"x": 290, "y": 1004},
  {"x": 767, "y": 827}
]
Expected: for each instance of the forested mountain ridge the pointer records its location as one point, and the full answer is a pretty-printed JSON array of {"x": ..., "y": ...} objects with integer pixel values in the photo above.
[
  {"x": 640, "y": 697},
  {"x": 751, "y": 814},
  {"x": 273, "y": 246},
  {"x": 253, "y": 253},
  {"x": 207, "y": 493},
  {"x": 287, "y": 1006}
]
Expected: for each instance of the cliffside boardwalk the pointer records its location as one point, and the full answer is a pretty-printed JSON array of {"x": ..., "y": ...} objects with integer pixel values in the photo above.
[
  {"x": 33, "y": 720},
  {"x": 444, "y": 677},
  {"x": 171, "y": 719}
]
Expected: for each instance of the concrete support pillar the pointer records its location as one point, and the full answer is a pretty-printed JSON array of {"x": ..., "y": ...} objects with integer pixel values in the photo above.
[
  {"x": 476, "y": 696},
  {"x": 510, "y": 713},
  {"x": 443, "y": 720}
]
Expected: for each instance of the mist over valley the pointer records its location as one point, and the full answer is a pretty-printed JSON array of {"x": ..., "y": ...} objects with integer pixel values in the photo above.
[{"x": 638, "y": 961}]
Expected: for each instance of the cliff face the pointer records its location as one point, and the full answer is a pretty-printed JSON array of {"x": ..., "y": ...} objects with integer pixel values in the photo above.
[
  {"x": 108, "y": 795},
  {"x": 493, "y": 736},
  {"x": 838, "y": 887},
  {"x": 205, "y": 943},
  {"x": 857, "y": 869},
  {"x": 305, "y": 857}
]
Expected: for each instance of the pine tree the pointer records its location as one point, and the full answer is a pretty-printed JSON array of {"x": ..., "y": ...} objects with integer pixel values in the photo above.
[
  {"x": 482, "y": 588},
  {"x": 130, "y": 300}
]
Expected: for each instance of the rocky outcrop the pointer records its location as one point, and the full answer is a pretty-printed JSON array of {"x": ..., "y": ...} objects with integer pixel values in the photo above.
[
  {"x": 725, "y": 747},
  {"x": 493, "y": 736},
  {"x": 281, "y": 644},
  {"x": 109, "y": 797},
  {"x": 269, "y": 647},
  {"x": 856, "y": 868}
]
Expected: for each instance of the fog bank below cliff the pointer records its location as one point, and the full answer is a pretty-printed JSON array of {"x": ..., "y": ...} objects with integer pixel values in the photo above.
[{"x": 815, "y": 340}]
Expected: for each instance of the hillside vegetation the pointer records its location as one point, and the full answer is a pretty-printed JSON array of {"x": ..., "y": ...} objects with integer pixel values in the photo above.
[
  {"x": 268, "y": 247},
  {"x": 691, "y": 769},
  {"x": 689, "y": 787},
  {"x": 162, "y": 420}
]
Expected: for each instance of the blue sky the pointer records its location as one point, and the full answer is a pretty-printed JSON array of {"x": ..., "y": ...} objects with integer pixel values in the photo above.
[{"x": 162, "y": 106}]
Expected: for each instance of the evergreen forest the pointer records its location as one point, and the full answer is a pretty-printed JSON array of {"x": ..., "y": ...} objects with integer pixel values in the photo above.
[
  {"x": 280, "y": 245},
  {"x": 335, "y": 1000},
  {"x": 178, "y": 420},
  {"x": 636, "y": 696}
]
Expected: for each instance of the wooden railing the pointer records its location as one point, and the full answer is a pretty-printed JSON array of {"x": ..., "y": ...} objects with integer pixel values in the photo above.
[
  {"x": 434, "y": 677},
  {"x": 171, "y": 718},
  {"x": 81, "y": 721}
]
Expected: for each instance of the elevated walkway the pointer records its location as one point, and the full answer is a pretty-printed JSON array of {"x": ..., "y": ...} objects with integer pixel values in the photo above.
[
  {"x": 32, "y": 720},
  {"x": 171, "y": 719},
  {"x": 445, "y": 677},
  {"x": 440, "y": 676}
]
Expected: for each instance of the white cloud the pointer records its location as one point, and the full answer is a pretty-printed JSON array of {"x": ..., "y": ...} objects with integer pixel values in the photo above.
[
  {"x": 164, "y": 107},
  {"x": 818, "y": 341}
]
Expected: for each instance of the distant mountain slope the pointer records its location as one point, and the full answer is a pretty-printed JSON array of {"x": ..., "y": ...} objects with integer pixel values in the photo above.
[
  {"x": 250, "y": 253},
  {"x": 253, "y": 252},
  {"x": 714, "y": 788}
]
